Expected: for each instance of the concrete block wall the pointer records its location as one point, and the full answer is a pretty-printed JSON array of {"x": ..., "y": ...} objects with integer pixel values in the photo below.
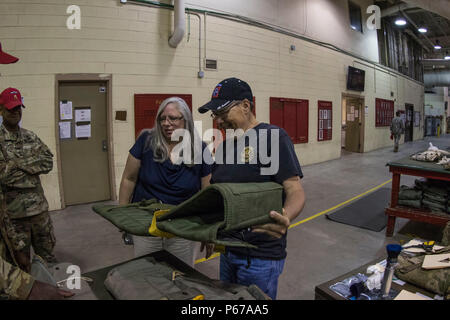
[{"x": 129, "y": 43}]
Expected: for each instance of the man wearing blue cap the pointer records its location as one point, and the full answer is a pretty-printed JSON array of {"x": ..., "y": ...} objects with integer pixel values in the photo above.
[{"x": 231, "y": 106}]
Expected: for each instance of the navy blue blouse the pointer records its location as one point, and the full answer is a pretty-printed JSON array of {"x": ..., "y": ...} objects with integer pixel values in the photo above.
[{"x": 168, "y": 182}]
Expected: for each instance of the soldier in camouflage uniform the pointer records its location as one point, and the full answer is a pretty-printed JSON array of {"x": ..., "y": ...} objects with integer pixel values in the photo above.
[
  {"x": 397, "y": 128},
  {"x": 15, "y": 283},
  {"x": 24, "y": 157}
]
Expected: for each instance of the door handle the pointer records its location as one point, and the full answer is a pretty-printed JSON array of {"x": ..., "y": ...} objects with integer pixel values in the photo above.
[{"x": 104, "y": 145}]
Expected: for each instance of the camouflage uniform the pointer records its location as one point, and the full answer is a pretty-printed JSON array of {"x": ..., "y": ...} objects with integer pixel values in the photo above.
[
  {"x": 397, "y": 128},
  {"x": 14, "y": 283},
  {"x": 24, "y": 157}
]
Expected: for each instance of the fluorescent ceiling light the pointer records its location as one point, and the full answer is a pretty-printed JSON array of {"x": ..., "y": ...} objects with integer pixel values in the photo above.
[
  {"x": 447, "y": 56},
  {"x": 437, "y": 46},
  {"x": 400, "y": 21},
  {"x": 423, "y": 30}
]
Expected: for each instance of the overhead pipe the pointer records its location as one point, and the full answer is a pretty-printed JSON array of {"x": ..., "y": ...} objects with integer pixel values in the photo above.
[
  {"x": 438, "y": 78},
  {"x": 417, "y": 40},
  {"x": 415, "y": 26},
  {"x": 436, "y": 62},
  {"x": 440, "y": 7},
  {"x": 179, "y": 23},
  {"x": 395, "y": 9}
]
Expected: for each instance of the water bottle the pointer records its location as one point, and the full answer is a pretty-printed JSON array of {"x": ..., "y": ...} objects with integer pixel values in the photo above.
[{"x": 393, "y": 250}]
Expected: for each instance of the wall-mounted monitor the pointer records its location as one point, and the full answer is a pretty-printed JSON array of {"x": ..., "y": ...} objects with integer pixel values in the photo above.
[{"x": 355, "y": 79}]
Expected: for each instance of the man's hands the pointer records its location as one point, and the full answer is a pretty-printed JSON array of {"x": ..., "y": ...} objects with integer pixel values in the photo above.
[
  {"x": 293, "y": 205},
  {"x": 276, "y": 229},
  {"x": 209, "y": 249},
  {"x": 44, "y": 291}
]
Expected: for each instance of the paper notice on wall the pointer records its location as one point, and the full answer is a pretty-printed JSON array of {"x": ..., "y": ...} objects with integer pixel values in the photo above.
[
  {"x": 350, "y": 117},
  {"x": 65, "y": 131},
  {"x": 83, "y": 131},
  {"x": 65, "y": 110},
  {"x": 356, "y": 114},
  {"x": 82, "y": 115}
]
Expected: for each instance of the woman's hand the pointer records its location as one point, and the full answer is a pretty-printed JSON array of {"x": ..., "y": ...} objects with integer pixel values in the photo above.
[{"x": 209, "y": 248}]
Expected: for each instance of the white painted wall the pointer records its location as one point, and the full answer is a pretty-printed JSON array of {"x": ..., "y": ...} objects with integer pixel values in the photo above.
[
  {"x": 323, "y": 20},
  {"x": 435, "y": 103}
]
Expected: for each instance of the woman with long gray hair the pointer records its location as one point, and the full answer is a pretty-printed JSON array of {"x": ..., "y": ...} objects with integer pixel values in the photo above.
[{"x": 166, "y": 163}]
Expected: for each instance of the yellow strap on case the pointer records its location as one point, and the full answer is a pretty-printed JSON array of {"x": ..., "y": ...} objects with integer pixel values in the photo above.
[
  {"x": 219, "y": 248},
  {"x": 154, "y": 231}
]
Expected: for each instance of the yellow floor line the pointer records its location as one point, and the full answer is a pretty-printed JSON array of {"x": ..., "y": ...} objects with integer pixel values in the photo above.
[
  {"x": 314, "y": 216},
  {"x": 339, "y": 205}
]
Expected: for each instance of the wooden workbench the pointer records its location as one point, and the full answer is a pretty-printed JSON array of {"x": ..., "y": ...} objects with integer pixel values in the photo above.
[{"x": 407, "y": 166}]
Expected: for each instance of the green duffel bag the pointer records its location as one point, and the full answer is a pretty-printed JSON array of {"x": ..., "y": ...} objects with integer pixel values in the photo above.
[{"x": 207, "y": 216}]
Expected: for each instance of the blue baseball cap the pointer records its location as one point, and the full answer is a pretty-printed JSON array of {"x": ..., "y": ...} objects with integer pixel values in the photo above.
[{"x": 226, "y": 92}]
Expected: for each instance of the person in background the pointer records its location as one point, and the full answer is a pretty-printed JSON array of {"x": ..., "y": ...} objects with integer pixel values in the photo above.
[
  {"x": 397, "y": 129},
  {"x": 24, "y": 157},
  {"x": 151, "y": 172},
  {"x": 15, "y": 280},
  {"x": 231, "y": 105}
]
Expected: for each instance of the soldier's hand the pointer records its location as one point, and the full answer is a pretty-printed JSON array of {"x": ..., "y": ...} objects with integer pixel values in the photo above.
[
  {"x": 44, "y": 291},
  {"x": 23, "y": 260},
  {"x": 276, "y": 229}
]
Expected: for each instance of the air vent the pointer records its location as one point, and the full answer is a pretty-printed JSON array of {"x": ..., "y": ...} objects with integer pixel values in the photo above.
[{"x": 210, "y": 64}]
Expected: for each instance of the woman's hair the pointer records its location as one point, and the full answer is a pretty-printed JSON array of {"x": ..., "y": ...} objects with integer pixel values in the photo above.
[{"x": 156, "y": 139}]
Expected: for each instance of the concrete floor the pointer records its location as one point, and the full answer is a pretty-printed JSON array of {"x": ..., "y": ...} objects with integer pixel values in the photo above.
[{"x": 318, "y": 249}]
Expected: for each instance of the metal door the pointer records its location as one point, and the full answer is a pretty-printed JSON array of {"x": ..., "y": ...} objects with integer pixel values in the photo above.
[
  {"x": 84, "y": 155},
  {"x": 428, "y": 126},
  {"x": 353, "y": 124}
]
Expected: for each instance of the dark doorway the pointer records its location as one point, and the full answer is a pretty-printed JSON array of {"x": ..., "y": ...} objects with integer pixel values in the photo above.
[{"x": 409, "y": 123}]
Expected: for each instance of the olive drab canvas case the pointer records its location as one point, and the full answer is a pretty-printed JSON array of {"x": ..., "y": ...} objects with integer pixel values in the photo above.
[
  {"x": 207, "y": 216},
  {"x": 134, "y": 218},
  {"x": 148, "y": 279}
]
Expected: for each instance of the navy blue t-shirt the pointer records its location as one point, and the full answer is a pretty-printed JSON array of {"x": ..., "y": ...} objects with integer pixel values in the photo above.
[
  {"x": 248, "y": 161},
  {"x": 167, "y": 182}
]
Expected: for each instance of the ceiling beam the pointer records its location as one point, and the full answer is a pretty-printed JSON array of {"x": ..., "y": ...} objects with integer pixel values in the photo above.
[{"x": 440, "y": 7}]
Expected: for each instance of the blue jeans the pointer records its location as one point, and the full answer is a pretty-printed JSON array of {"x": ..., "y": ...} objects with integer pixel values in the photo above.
[{"x": 262, "y": 272}]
